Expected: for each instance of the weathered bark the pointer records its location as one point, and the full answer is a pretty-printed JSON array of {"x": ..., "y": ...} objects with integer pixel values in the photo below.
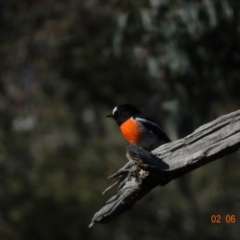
[{"x": 145, "y": 170}]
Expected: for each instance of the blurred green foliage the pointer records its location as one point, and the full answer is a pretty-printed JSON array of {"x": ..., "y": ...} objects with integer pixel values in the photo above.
[{"x": 65, "y": 65}]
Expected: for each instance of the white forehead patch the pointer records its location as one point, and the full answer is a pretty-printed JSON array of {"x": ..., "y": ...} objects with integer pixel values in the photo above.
[{"x": 114, "y": 110}]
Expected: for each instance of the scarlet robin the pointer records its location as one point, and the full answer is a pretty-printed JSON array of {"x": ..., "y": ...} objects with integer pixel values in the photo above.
[{"x": 137, "y": 128}]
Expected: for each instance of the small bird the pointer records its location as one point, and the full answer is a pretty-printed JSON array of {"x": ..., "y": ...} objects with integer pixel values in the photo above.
[{"x": 137, "y": 128}]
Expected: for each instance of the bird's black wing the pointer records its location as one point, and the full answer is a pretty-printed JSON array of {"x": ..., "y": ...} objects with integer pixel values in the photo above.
[{"x": 154, "y": 127}]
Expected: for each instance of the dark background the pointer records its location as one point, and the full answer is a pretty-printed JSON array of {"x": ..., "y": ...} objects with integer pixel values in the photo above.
[{"x": 64, "y": 65}]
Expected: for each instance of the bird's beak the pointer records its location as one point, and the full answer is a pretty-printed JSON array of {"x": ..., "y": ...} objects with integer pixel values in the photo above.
[{"x": 109, "y": 115}]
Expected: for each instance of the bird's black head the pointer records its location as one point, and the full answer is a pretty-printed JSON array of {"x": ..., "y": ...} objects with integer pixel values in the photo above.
[{"x": 123, "y": 112}]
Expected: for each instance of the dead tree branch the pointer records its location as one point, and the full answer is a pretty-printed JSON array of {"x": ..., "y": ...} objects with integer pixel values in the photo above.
[{"x": 145, "y": 170}]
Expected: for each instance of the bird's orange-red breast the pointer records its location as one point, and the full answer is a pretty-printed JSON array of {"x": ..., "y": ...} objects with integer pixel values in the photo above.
[
  {"x": 131, "y": 131},
  {"x": 137, "y": 128}
]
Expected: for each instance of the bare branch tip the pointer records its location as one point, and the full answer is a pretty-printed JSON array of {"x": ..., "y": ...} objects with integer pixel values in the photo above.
[{"x": 91, "y": 224}]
